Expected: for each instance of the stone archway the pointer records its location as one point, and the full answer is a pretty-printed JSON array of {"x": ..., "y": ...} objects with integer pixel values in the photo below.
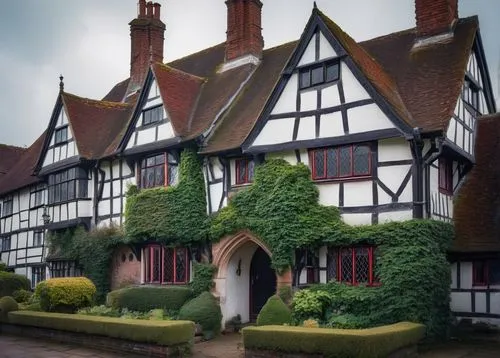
[{"x": 233, "y": 256}]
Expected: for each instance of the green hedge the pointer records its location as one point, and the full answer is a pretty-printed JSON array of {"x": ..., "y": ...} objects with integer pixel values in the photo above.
[
  {"x": 274, "y": 312},
  {"x": 205, "y": 311},
  {"x": 166, "y": 333},
  {"x": 364, "y": 343},
  {"x": 10, "y": 282},
  {"x": 146, "y": 298},
  {"x": 65, "y": 294},
  {"x": 7, "y": 304}
]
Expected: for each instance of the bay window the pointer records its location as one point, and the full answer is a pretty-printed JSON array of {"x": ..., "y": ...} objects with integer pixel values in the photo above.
[
  {"x": 445, "y": 176},
  {"x": 244, "y": 171},
  {"x": 158, "y": 170},
  {"x": 68, "y": 185}
]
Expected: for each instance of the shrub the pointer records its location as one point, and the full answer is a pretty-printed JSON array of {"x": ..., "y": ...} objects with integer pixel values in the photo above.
[
  {"x": 65, "y": 294},
  {"x": 146, "y": 298},
  {"x": 3, "y": 266},
  {"x": 310, "y": 304},
  {"x": 10, "y": 282},
  {"x": 22, "y": 296},
  {"x": 203, "y": 279},
  {"x": 286, "y": 294},
  {"x": 101, "y": 310},
  {"x": 7, "y": 304},
  {"x": 366, "y": 343},
  {"x": 166, "y": 333},
  {"x": 310, "y": 323},
  {"x": 205, "y": 311},
  {"x": 274, "y": 312}
]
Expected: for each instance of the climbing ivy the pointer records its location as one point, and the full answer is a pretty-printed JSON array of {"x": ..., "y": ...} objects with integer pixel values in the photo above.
[
  {"x": 282, "y": 209},
  {"x": 91, "y": 250},
  {"x": 173, "y": 215}
]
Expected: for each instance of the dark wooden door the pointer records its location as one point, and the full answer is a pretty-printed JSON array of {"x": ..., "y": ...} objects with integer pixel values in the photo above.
[{"x": 262, "y": 281}]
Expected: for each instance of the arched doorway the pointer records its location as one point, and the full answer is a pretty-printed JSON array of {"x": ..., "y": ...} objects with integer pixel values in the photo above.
[{"x": 262, "y": 281}]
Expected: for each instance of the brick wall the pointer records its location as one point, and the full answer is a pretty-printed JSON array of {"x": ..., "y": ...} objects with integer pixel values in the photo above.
[
  {"x": 125, "y": 268},
  {"x": 435, "y": 16}
]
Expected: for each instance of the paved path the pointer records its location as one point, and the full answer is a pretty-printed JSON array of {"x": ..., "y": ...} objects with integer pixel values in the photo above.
[{"x": 227, "y": 346}]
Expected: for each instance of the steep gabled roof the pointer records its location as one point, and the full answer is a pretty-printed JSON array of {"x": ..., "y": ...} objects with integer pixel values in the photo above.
[
  {"x": 179, "y": 91},
  {"x": 429, "y": 79},
  {"x": 95, "y": 124},
  {"x": 117, "y": 93},
  {"x": 9, "y": 156},
  {"x": 477, "y": 206},
  {"x": 21, "y": 174}
]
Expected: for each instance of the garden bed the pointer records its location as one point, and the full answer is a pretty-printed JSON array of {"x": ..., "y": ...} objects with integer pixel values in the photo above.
[
  {"x": 396, "y": 340},
  {"x": 154, "y": 338}
]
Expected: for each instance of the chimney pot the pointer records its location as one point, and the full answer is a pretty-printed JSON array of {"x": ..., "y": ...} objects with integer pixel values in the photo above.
[
  {"x": 157, "y": 7},
  {"x": 142, "y": 8},
  {"x": 149, "y": 9},
  {"x": 435, "y": 17}
]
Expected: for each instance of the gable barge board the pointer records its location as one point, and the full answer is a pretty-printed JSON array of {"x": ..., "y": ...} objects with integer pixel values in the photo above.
[
  {"x": 46, "y": 142},
  {"x": 325, "y": 142}
]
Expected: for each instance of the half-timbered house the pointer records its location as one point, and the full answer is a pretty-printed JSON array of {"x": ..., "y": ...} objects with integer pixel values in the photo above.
[{"x": 387, "y": 127}]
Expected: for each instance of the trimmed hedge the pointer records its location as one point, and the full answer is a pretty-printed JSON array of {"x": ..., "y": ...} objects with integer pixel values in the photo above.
[
  {"x": 166, "y": 333},
  {"x": 205, "y": 311},
  {"x": 22, "y": 296},
  {"x": 7, "y": 304},
  {"x": 146, "y": 298},
  {"x": 274, "y": 312},
  {"x": 363, "y": 343},
  {"x": 65, "y": 294},
  {"x": 10, "y": 282}
]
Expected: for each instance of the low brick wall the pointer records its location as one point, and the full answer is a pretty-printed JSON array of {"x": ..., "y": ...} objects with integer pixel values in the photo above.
[
  {"x": 408, "y": 352},
  {"x": 98, "y": 342}
]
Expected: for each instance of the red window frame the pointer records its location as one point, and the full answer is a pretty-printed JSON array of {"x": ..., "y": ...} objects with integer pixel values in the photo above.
[
  {"x": 373, "y": 279},
  {"x": 151, "y": 251},
  {"x": 445, "y": 176},
  {"x": 352, "y": 174},
  {"x": 243, "y": 163},
  {"x": 481, "y": 273},
  {"x": 166, "y": 170}
]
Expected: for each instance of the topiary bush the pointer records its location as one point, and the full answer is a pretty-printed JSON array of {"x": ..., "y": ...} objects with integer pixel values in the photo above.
[
  {"x": 146, "y": 298},
  {"x": 65, "y": 295},
  {"x": 7, "y": 304},
  {"x": 205, "y": 311},
  {"x": 203, "y": 279},
  {"x": 274, "y": 312},
  {"x": 22, "y": 296},
  {"x": 10, "y": 282}
]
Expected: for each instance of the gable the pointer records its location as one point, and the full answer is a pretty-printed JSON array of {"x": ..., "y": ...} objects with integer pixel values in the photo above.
[
  {"x": 62, "y": 144},
  {"x": 322, "y": 97},
  {"x": 151, "y": 121}
]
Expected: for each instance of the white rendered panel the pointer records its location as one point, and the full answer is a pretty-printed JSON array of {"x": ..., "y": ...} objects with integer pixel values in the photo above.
[
  {"x": 480, "y": 301},
  {"x": 165, "y": 131},
  {"x": 308, "y": 101},
  {"x": 358, "y": 193},
  {"x": 328, "y": 194},
  {"x": 276, "y": 131},
  {"x": 216, "y": 191},
  {"x": 453, "y": 268},
  {"x": 116, "y": 206},
  {"x": 325, "y": 48},
  {"x": 323, "y": 251},
  {"x": 48, "y": 157},
  {"x": 357, "y": 219},
  {"x": 146, "y": 136},
  {"x": 307, "y": 128},
  {"x": 393, "y": 176},
  {"x": 104, "y": 207},
  {"x": 287, "y": 101},
  {"x": 466, "y": 274},
  {"x": 367, "y": 118},
  {"x": 450, "y": 133},
  {"x": 353, "y": 90},
  {"x": 84, "y": 208},
  {"x": 395, "y": 216},
  {"x": 393, "y": 149},
  {"x": 460, "y": 302},
  {"x": 309, "y": 55},
  {"x": 331, "y": 125},
  {"x": 330, "y": 96},
  {"x": 495, "y": 302}
]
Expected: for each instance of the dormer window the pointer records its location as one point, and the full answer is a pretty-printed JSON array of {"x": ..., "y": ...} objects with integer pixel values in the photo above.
[
  {"x": 61, "y": 135},
  {"x": 320, "y": 74},
  {"x": 152, "y": 115}
]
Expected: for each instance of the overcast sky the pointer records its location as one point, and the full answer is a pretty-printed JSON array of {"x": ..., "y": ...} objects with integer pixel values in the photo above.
[{"x": 88, "y": 42}]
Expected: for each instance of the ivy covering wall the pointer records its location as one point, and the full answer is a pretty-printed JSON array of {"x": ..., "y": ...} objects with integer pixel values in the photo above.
[
  {"x": 174, "y": 215},
  {"x": 282, "y": 209}
]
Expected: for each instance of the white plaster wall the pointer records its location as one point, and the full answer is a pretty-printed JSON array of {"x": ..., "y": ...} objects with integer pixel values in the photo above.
[
  {"x": 466, "y": 275},
  {"x": 308, "y": 100},
  {"x": 367, "y": 118},
  {"x": 84, "y": 208},
  {"x": 276, "y": 131},
  {"x": 325, "y": 49},
  {"x": 480, "y": 301},
  {"x": 145, "y": 136},
  {"x": 453, "y": 268},
  {"x": 358, "y": 193},
  {"x": 309, "y": 54},
  {"x": 357, "y": 219},
  {"x": 403, "y": 215},
  {"x": 323, "y": 251},
  {"x": 330, "y": 96},
  {"x": 165, "y": 131},
  {"x": 307, "y": 128},
  {"x": 495, "y": 302},
  {"x": 331, "y": 125},
  {"x": 393, "y": 149},
  {"x": 216, "y": 191},
  {"x": 460, "y": 302},
  {"x": 353, "y": 90},
  {"x": 329, "y": 194},
  {"x": 287, "y": 101}
]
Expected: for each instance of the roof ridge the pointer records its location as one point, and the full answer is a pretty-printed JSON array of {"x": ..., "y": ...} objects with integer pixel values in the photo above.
[
  {"x": 16, "y": 147},
  {"x": 196, "y": 53},
  {"x": 91, "y": 101}
]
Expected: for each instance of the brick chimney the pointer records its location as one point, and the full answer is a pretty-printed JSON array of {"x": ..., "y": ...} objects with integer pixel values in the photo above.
[
  {"x": 244, "y": 31},
  {"x": 435, "y": 17},
  {"x": 147, "y": 38}
]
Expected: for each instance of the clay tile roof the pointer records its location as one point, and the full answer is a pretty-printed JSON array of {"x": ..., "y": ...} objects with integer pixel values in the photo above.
[
  {"x": 477, "y": 205},
  {"x": 179, "y": 91},
  {"x": 376, "y": 74},
  {"x": 430, "y": 78},
  {"x": 9, "y": 156},
  {"x": 21, "y": 174},
  {"x": 95, "y": 124},
  {"x": 243, "y": 114},
  {"x": 117, "y": 93}
]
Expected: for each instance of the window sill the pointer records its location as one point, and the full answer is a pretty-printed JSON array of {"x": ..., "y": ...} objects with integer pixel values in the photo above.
[{"x": 342, "y": 180}]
